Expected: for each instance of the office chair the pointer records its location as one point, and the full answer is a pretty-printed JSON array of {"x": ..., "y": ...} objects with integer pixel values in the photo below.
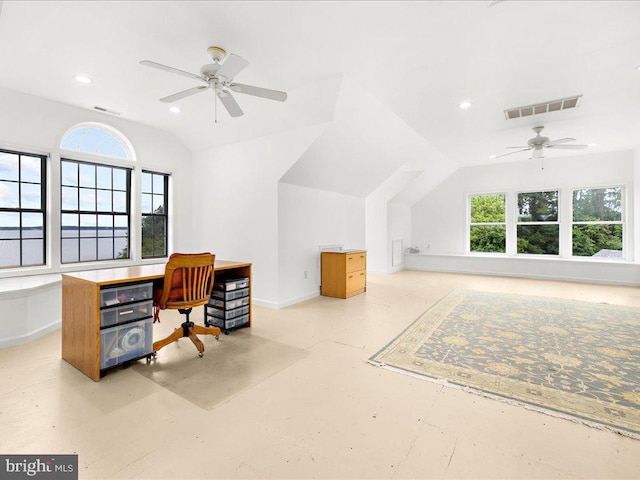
[{"x": 188, "y": 280}]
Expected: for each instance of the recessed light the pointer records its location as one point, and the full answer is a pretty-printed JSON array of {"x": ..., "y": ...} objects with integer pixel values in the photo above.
[
  {"x": 591, "y": 144},
  {"x": 464, "y": 105},
  {"x": 638, "y": 68},
  {"x": 493, "y": 156},
  {"x": 175, "y": 110},
  {"x": 82, "y": 79}
]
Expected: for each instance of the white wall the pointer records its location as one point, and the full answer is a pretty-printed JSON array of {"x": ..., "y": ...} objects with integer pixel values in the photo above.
[
  {"x": 307, "y": 219},
  {"x": 236, "y": 189},
  {"x": 439, "y": 220}
]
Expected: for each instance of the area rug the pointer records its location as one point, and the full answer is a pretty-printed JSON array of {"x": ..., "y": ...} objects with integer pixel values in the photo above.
[{"x": 577, "y": 360}]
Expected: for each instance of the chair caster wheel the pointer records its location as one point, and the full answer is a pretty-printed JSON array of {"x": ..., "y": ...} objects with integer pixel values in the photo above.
[
  {"x": 200, "y": 354},
  {"x": 226, "y": 332},
  {"x": 218, "y": 337}
]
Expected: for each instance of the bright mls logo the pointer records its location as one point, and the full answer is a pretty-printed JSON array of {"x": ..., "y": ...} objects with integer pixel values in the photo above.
[{"x": 59, "y": 467}]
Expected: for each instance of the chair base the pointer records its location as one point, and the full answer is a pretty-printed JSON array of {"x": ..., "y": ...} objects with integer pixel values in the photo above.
[{"x": 191, "y": 330}]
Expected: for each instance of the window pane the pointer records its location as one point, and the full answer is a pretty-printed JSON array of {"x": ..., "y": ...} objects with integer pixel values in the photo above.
[
  {"x": 119, "y": 179},
  {"x": 88, "y": 226},
  {"x": 146, "y": 203},
  {"x": 538, "y": 207},
  {"x": 488, "y": 238},
  {"x": 487, "y": 208},
  {"x": 87, "y": 175},
  {"x": 105, "y": 226},
  {"x": 159, "y": 226},
  {"x": 105, "y": 249},
  {"x": 8, "y": 166},
  {"x": 70, "y": 250},
  {"x": 33, "y": 252},
  {"x": 104, "y": 177},
  {"x": 88, "y": 249},
  {"x": 9, "y": 195},
  {"x": 158, "y": 203},
  {"x": 87, "y": 199},
  {"x": 120, "y": 226},
  {"x": 597, "y": 241},
  {"x": 30, "y": 196},
  {"x": 9, "y": 225},
  {"x": 104, "y": 200},
  {"x": 70, "y": 225},
  {"x": 9, "y": 253},
  {"x": 30, "y": 169},
  {"x": 70, "y": 173},
  {"x": 121, "y": 247},
  {"x": 597, "y": 205},
  {"x": 119, "y": 201},
  {"x": 146, "y": 182},
  {"x": 158, "y": 184},
  {"x": 32, "y": 225},
  {"x": 538, "y": 239},
  {"x": 69, "y": 198}
]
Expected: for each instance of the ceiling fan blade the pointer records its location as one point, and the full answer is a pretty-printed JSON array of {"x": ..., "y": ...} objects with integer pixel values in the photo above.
[
  {"x": 561, "y": 140},
  {"x": 233, "y": 65},
  {"x": 230, "y": 104},
  {"x": 522, "y": 146},
  {"x": 183, "y": 94},
  {"x": 166, "y": 68},
  {"x": 259, "y": 92},
  {"x": 568, "y": 147},
  {"x": 511, "y": 153}
]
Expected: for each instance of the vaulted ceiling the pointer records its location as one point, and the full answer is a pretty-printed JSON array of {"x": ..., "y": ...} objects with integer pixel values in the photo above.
[{"x": 417, "y": 60}]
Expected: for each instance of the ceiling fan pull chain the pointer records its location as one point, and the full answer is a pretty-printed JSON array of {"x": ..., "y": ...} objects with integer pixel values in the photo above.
[{"x": 215, "y": 106}]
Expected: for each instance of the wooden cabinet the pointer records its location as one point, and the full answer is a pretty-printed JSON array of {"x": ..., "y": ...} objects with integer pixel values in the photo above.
[{"x": 344, "y": 273}]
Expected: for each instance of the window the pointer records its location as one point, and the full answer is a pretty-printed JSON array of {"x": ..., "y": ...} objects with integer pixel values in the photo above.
[
  {"x": 154, "y": 214},
  {"x": 538, "y": 230},
  {"x": 22, "y": 209},
  {"x": 487, "y": 228},
  {"x": 597, "y": 222},
  {"x": 97, "y": 139},
  {"x": 95, "y": 211}
]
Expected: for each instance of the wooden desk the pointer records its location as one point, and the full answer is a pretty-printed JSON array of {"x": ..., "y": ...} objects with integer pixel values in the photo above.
[{"x": 81, "y": 306}]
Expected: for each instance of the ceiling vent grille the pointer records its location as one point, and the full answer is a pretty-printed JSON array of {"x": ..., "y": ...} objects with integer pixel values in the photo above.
[{"x": 552, "y": 106}]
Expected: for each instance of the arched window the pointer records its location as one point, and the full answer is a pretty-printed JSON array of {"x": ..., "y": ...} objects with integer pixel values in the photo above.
[{"x": 97, "y": 139}]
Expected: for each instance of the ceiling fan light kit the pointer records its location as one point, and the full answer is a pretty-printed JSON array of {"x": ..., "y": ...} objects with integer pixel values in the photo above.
[{"x": 219, "y": 78}]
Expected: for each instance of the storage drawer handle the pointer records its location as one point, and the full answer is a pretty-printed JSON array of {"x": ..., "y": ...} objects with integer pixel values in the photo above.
[
  {"x": 361, "y": 273},
  {"x": 127, "y": 312},
  {"x": 350, "y": 276},
  {"x": 349, "y": 258}
]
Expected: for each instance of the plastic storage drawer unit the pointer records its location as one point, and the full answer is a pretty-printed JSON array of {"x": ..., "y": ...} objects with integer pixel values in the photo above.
[
  {"x": 229, "y": 314},
  {"x": 125, "y": 342},
  {"x": 226, "y": 296},
  {"x": 228, "y": 324},
  {"x": 232, "y": 284},
  {"x": 230, "y": 304},
  {"x": 125, "y": 313},
  {"x": 125, "y": 294}
]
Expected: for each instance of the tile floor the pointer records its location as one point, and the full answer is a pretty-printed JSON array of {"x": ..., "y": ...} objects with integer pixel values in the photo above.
[{"x": 293, "y": 397}]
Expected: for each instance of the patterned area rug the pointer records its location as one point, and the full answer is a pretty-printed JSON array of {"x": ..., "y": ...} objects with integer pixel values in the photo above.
[{"x": 577, "y": 360}]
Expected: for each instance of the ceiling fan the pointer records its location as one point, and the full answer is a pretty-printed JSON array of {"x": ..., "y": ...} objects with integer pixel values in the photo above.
[
  {"x": 218, "y": 77},
  {"x": 538, "y": 143}
]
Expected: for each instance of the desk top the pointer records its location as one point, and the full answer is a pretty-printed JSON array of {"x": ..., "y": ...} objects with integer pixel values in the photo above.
[{"x": 108, "y": 276}]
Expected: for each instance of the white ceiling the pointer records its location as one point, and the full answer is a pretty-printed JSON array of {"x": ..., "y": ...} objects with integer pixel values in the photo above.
[{"x": 419, "y": 59}]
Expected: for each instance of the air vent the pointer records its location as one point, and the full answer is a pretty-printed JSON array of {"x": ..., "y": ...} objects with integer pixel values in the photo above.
[
  {"x": 552, "y": 106},
  {"x": 106, "y": 110}
]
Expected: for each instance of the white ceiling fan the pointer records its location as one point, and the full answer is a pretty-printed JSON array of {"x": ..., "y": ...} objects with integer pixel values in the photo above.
[
  {"x": 538, "y": 143},
  {"x": 219, "y": 78}
]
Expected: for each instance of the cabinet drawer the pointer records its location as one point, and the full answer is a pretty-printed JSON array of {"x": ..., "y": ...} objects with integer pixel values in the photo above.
[
  {"x": 356, "y": 280},
  {"x": 125, "y": 313},
  {"x": 125, "y": 294},
  {"x": 232, "y": 295},
  {"x": 125, "y": 342},
  {"x": 356, "y": 261},
  {"x": 229, "y": 304},
  {"x": 228, "y": 314},
  {"x": 232, "y": 284}
]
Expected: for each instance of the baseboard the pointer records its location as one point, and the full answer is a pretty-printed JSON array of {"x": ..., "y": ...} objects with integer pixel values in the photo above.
[
  {"x": 288, "y": 303},
  {"x": 29, "y": 337}
]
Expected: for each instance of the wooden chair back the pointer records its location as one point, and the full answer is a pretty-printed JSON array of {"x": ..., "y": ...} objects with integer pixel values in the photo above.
[{"x": 188, "y": 280}]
